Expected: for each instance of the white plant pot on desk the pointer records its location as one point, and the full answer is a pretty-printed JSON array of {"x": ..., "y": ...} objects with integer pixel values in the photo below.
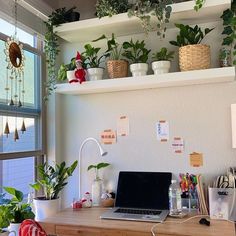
[
  {"x": 95, "y": 73},
  {"x": 45, "y": 208},
  {"x": 161, "y": 67},
  {"x": 70, "y": 74},
  {"x": 139, "y": 69},
  {"x": 13, "y": 229}
]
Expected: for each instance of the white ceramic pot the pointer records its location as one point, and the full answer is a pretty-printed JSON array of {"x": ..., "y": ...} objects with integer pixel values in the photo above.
[
  {"x": 95, "y": 73},
  {"x": 138, "y": 69},
  {"x": 14, "y": 228},
  {"x": 70, "y": 74},
  {"x": 161, "y": 67},
  {"x": 45, "y": 208}
]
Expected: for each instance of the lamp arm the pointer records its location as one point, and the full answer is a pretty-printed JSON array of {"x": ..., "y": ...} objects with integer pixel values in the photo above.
[{"x": 80, "y": 154}]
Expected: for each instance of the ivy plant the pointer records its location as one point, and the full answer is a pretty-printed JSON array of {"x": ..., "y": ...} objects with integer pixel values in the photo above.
[
  {"x": 229, "y": 23},
  {"x": 163, "y": 55},
  {"x": 111, "y": 7},
  {"x": 91, "y": 57},
  {"x": 136, "y": 52},
  {"x": 51, "y": 46},
  {"x": 198, "y": 4},
  {"x": 189, "y": 35},
  {"x": 160, "y": 9}
]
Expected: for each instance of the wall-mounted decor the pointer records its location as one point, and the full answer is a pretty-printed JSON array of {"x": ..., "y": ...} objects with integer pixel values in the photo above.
[{"x": 14, "y": 77}]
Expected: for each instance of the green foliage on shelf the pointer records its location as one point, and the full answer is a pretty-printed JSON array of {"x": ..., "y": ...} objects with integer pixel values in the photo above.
[
  {"x": 163, "y": 55},
  {"x": 198, "y": 4},
  {"x": 144, "y": 9},
  {"x": 51, "y": 46},
  {"x": 61, "y": 75},
  {"x": 114, "y": 49},
  {"x": 53, "y": 179},
  {"x": 91, "y": 57},
  {"x": 229, "y": 23},
  {"x": 111, "y": 7},
  {"x": 189, "y": 35},
  {"x": 136, "y": 52}
]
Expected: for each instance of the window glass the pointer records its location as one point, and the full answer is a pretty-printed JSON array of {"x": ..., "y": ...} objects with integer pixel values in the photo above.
[
  {"x": 30, "y": 76},
  {"x": 9, "y": 29},
  {"x": 17, "y": 173}
]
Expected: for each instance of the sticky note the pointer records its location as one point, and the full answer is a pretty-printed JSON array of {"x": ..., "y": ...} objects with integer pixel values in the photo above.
[
  {"x": 178, "y": 145},
  {"x": 162, "y": 129},
  {"x": 196, "y": 159},
  {"x": 123, "y": 126},
  {"x": 108, "y": 137}
]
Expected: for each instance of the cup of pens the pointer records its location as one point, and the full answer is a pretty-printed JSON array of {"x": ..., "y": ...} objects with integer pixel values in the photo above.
[{"x": 189, "y": 197}]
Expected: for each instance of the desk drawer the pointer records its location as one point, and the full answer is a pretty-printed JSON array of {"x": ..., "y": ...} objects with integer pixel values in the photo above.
[{"x": 79, "y": 231}]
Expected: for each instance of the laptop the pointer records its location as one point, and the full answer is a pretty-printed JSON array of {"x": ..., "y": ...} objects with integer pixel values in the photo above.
[{"x": 141, "y": 196}]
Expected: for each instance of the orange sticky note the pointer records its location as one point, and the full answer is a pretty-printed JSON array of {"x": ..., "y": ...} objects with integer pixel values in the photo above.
[
  {"x": 196, "y": 159},
  {"x": 108, "y": 137}
]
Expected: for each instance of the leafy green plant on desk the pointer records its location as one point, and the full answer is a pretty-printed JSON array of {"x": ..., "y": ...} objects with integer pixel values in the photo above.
[
  {"x": 14, "y": 210},
  {"x": 163, "y": 55},
  {"x": 97, "y": 168},
  {"x": 53, "y": 179}
]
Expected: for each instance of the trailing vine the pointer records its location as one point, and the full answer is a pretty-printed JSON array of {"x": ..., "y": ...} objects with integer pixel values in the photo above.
[
  {"x": 51, "y": 46},
  {"x": 198, "y": 4},
  {"x": 229, "y": 23},
  {"x": 144, "y": 9}
]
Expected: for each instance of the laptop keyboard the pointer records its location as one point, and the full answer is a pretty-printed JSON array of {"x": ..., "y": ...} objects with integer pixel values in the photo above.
[{"x": 138, "y": 211}]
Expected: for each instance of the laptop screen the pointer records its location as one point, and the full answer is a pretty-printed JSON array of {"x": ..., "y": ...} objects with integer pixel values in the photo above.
[{"x": 146, "y": 190}]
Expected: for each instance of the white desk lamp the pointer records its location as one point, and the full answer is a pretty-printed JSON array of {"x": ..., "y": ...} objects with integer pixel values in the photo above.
[{"x": 101, "y": 151}]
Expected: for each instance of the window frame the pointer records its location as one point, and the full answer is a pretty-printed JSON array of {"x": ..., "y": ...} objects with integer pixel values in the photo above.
[{"x": 38, "y": 112}]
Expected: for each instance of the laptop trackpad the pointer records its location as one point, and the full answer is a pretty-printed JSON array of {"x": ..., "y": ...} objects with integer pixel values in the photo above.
[{"x": 136, "y": 216}]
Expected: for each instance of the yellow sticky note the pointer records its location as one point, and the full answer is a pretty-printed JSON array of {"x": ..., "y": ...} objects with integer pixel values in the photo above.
[{"x": 196, "y": 159}]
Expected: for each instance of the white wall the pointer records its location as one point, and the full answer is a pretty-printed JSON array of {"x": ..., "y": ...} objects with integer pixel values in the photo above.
[{"x": 200, "y": 114}]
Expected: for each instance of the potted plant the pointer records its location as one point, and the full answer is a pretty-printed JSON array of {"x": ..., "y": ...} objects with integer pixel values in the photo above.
[
  {"x": 137, "y": 54},
  {"x": 97, "y": 183},
  {"x": 161, "y": 63},
  {"x": 73, "y": 71},
  {"x": 92, "y": 62},
  {"x": 59, "y": 16},
  {"x": 111, "y": 7},
  {"x": 192, "y": 54},
  {"x": 52, "y": 180},
  {"x": 116, "y": 67},
  {"x": 14, "y": 211},
  {"x": 67, "y": 71}
]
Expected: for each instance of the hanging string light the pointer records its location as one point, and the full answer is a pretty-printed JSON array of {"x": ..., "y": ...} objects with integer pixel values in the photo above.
[{"x": 15, "y": 67}]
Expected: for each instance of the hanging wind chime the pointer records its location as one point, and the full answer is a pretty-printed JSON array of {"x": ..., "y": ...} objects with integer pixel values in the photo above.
[{"x": 14, "y": 77}]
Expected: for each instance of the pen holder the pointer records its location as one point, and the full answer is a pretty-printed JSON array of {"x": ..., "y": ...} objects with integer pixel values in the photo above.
[{"x": 189, "y": 203}]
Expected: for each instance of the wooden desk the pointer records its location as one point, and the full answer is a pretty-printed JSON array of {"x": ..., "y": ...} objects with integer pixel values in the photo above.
[{"x": 86, "y": 222}]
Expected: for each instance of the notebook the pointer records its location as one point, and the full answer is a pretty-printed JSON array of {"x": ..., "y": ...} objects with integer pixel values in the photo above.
[{"x": 141, "y": 196}]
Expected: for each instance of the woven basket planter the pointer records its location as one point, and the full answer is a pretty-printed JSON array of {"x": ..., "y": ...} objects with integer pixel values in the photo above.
[
  {"x": 194, "y": 57},
  {"x": 117, "y": 68}
]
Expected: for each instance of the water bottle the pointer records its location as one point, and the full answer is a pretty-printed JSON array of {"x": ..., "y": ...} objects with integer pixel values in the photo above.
[{"x": 175, "y": 198}]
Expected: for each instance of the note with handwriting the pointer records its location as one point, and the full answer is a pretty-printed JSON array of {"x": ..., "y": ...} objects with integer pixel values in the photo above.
[
  {"x": 162, "y": 129},
  {"x": 196, "y": 159}
]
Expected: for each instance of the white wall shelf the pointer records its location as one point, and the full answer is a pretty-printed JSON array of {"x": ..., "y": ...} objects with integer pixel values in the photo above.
[
  {"x": 176, "y": 79},
  {"x": 121, "y": 24}
]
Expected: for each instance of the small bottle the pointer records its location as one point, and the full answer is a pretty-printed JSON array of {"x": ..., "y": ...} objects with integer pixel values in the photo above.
[{"x": 175, "y": 198}]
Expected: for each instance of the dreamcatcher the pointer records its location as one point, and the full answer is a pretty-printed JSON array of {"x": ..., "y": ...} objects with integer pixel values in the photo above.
[{"x": 14, "y": 77}]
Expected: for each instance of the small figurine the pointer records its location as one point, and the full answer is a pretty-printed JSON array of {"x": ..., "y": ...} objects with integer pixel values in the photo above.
[
  {"x": 79, "y": 71},
  {"x": 86, "y": 200}
]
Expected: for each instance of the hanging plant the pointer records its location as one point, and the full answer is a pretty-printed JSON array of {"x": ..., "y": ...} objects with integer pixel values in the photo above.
[
  {"x": 144, "y": 9},
  {"x": 111, "y": 7},
  {"x": 198, "y": 4},
  {"x": 51, "y": 46},
  {"x": 229, "y": 23}
]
